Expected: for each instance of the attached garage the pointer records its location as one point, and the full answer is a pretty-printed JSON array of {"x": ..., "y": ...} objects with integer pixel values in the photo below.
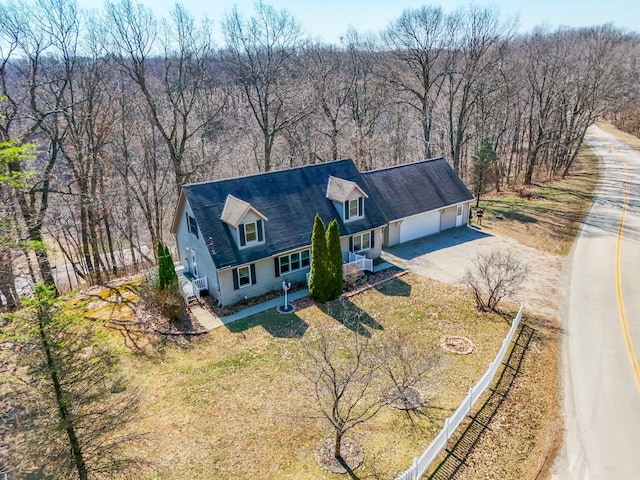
[
  {"x": 419, "y": 225},
  {"x": 419, "y": 199}
]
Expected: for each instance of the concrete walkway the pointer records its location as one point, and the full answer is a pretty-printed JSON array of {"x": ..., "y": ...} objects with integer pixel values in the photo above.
[{"x": 209, "y": 321}]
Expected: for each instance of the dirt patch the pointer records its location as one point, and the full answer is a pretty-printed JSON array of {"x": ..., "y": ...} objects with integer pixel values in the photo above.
[
  {"x": 403, "y": 398},
  {"x": 352, "y": 456},
  {"x": 457, "y": 345}
]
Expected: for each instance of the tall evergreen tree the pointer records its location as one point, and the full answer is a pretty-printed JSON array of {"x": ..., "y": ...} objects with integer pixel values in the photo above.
[
  {"x": 319, "y": 276},
  {"x": 484, "y": 160},
  {"x": 166, "y": 270},
  {"x": 334, "y": 259}
]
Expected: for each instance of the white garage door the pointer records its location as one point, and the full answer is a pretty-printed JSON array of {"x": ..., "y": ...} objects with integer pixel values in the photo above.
[{"x": 419, "y": 226}]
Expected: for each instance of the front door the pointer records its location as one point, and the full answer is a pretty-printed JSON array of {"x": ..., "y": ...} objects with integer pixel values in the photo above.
[
  {"x": 459, "y": 216},
  {"x": 194, "y": 264}
]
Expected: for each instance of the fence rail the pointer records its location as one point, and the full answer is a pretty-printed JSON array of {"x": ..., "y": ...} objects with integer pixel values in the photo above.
[
  {"x": 422, "y": 463},
  {"x": 362, "y": 262}
]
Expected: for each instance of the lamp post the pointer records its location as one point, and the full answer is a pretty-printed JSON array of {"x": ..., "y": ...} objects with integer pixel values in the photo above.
[{"x": 285, "y": 287}]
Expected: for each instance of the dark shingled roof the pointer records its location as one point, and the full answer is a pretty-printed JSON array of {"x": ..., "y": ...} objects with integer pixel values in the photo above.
[
  {"x": 288, "y": 198},
  {"x": 414, "y": 188}
]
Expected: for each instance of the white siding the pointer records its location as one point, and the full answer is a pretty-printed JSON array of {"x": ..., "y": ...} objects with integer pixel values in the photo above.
[{"x": 188, "y": 243}]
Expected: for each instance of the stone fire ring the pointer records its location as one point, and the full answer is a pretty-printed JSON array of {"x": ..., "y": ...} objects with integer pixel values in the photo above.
[{"x": 457, "y": 345}]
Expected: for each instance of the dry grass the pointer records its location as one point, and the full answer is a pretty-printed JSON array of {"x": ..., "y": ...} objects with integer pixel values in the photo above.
[
  {"x": 525, "y": 434},
  {"x": 234, "y": 405},
  {"x": 546, "y": 216},
  {"x": 627, "y": 137}
]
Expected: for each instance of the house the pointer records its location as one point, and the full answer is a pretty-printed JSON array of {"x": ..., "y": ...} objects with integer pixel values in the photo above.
[
  {"x": 243, "y": 237},
  {"x": 419, "y": 199},
  {"x": 247, "y": 235}
]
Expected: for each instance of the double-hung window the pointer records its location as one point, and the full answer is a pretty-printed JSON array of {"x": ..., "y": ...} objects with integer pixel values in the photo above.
[
  {"x": 192, "y": 226},
  {"x": 251, "y": 233},
  {"x": 291, "y": 262},
  {"x": 353, "y": 208},
  {"x": 244, "y": 276},
  {"x": 361, "y": 242}
]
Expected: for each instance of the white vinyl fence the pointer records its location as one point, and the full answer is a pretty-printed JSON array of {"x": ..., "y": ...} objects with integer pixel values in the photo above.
[
  {"x": 421, "y": 463},
  {"x": 359, "y": 261}
]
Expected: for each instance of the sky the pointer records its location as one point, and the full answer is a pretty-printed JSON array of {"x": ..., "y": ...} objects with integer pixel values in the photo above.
[{"x": 328, "y": 20}]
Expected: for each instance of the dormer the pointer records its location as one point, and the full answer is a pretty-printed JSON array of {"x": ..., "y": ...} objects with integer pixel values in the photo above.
[
  {"x": 246, "y": 222},
  {"x": 347, "y": 197}
]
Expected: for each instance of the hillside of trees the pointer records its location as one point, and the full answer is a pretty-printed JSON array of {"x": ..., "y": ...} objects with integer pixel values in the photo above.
[{"x": 126, "y": 107}]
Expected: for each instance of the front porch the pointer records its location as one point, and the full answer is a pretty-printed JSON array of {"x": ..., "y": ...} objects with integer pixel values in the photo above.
[{"x": 191, "y": 288}]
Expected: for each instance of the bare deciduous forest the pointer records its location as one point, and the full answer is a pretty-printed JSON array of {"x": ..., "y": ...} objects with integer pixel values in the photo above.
[{"x": 126, "y": 107}]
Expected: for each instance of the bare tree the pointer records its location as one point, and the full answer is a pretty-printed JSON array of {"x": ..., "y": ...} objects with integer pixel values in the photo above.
[
  {"x": 342, "y": 375},
  {"x": 420, "y": 41},
  {"x": 261, "y": 58},
  {"x": 406, "y": 367},
  {"x": 494, "y": 276}
]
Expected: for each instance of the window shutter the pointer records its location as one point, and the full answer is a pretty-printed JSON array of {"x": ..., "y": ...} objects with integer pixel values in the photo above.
[
  {"x": 373, "y": 235},
  {"x": 260, "y": 233},
  {"x": 351, "y": 244},
  {"x": 346, "y": 210},
  {"x": 188, "y": 224},
  {"x": 235, "y": 279},
  {"x": 252, "y": 267},
  {"x": 276, "y": 263},
  {"x": 243, "y": 240},
  {"x": 360, "y": 203}
]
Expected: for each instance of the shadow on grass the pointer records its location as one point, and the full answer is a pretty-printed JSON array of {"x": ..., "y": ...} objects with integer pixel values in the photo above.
[
  {"x": 395, "y": 288},
  {"x": 277, "y": 325},
  {"x": 352, "y": 317}
]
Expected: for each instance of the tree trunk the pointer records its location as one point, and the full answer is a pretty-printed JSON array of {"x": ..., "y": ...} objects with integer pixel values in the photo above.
[
  {"x": 66, "y": 419},
  {"x": 337, "y": 453}
]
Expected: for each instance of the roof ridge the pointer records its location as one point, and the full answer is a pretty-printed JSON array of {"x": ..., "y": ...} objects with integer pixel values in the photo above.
[
  {"x": 426, "y": 160},
  {"x": 269, "y": 172}
]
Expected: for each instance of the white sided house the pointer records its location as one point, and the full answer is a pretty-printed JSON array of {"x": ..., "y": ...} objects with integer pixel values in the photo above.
[
  {"x": 247, "y": 235},
  {"x": 242, "y": 237}
]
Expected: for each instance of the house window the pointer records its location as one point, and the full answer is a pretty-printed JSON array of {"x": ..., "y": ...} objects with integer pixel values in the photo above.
[
  {"x": 459, "y": 211},
  {"x": 292, "y": 262},
  {"x": 353, "y": 208},
  {"x": 244, "y": 276},
  {"x": 251, "y": 233},
  {"x": 192, "y": 226},
  {"x": 361, "y": 242}
]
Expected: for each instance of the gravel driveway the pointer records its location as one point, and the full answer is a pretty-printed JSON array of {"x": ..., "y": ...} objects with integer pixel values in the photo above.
[{"x": 446, "y": 256}]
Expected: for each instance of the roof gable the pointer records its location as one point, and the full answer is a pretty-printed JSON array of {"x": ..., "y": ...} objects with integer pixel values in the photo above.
[
  {"x": 417, "y": 187},
  {"x": 339, "y": 189},
  {"x": 235, "y": 210}
]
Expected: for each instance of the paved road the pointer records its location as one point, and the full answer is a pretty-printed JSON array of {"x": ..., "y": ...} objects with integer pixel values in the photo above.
[{"x": 602, "y": 322}]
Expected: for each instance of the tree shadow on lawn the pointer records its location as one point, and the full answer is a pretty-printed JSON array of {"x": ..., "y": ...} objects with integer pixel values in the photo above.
[
  {"x": 278, "y": 325},
  {"x": 395, "y": 288},
  {"x": 352, "y": 317}
]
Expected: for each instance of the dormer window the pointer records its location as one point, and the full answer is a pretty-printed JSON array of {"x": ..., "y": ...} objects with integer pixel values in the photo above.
[
  {"x": 251, "y": 233},
  {"x": 353, "y": 208},
  {"x": 346, "y": 196},
  {"x": 246, "y": 221}
]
